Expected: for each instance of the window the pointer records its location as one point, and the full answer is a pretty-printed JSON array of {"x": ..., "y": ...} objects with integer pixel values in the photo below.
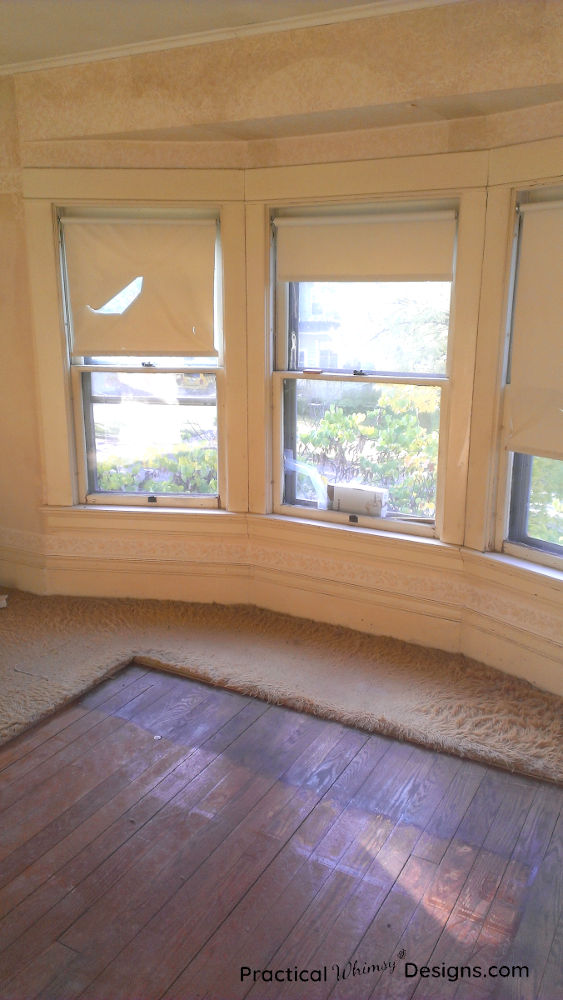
[
  {"x": 536, "y": 506},
  {"x": 142, "y": 307},
  {"x": 362, "y": 363},
  {"x": 533, "y": 414}
]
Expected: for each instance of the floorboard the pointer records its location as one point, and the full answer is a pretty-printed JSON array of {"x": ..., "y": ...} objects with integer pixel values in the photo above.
[{"x": 160, "y": 835}]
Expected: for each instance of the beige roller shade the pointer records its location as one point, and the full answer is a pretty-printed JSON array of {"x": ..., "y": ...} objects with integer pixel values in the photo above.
[
  {"x": 534, "y": 398},
  {"x": 363, "y": 248},
  {"x": 141, "y": 287}
]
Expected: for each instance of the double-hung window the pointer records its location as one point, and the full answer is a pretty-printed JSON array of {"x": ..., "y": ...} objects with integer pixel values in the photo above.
[
  {"x": 142, "y": 302},
  {"x": 363, "y": 311},
  {"x": 533, "y": 411}
]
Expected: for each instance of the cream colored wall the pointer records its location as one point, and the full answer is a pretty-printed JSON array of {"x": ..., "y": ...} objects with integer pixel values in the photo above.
[
  {"x": 20, "y": 478},
  {"x": 356, "y": 69},
  {"x": 228, "y": 107}
]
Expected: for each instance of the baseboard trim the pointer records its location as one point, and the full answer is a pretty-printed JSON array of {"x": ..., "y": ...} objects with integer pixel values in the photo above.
[{"x": 431, "y": 595}]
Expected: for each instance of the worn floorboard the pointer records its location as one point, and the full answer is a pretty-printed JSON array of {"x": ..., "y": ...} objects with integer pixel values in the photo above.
[{"x": 162, "y": 839}]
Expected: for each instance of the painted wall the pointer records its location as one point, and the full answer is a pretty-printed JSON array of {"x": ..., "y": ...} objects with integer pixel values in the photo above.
[
  {"x": 20, "y": 465},
  {"x": 401, "y": 99}
]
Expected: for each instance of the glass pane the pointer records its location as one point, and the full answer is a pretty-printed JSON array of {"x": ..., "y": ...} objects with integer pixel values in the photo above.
[
  {"x": 394, "y": 326},
  {"x": 151, "y": 433},
  {"x": 152, "y": 362},
  {"x": 341, "y": 435},
  {"x": 545, "y": 509}
]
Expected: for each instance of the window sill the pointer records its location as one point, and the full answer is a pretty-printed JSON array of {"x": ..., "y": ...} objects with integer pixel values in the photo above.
[
  {"x": 515, "y": 569},
  {"x": 112, "y": 517},
  {"x": 355, "y": 522},
  {"x": 527, "y": 554}
]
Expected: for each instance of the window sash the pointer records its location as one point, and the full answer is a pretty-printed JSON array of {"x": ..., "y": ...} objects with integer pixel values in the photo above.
[
  {"x": 86, "y": 456},
  {"x": 521, "y": 485},
  {"x": 402, "y": 523}
]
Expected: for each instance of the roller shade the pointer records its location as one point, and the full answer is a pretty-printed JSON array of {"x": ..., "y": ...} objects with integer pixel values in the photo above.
[
  {"x": 367, "y": 248},
  {"x": 534, "y": 398},
  {"x": 141, "y": 287}
]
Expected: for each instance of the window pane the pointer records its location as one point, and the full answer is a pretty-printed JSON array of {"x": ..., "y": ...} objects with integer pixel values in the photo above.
[
  {"x": 395, "y": 326},
  {"x": 361, "y": 434},
  {"x": 545, "y": 509},
  {"x": 536, "y": 505},
  {"x": 152, "y": 362},
  {"x": 151, "y": 433}
]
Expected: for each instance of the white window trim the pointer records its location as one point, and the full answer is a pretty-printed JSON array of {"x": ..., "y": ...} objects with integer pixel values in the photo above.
[
  {"x": 219, "y": 192},
  {"x": 542, "y": 194},
  {"x": 457, "y": 389}
]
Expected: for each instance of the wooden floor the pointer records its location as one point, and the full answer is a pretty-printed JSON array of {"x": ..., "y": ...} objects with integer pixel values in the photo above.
[{"x": 161, "y": 835}]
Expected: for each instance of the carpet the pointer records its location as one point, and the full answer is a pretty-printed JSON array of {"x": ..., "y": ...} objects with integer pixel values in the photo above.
[{"x": 54, "y": 648}]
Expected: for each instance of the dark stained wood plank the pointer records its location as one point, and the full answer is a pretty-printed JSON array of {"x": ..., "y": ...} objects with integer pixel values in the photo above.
[
  {"x": 537, "y": 831},
  {"x": 285, "y": 888},
  {"x": 32, "y": 874},
  {"x": 232, "y": 850},
  {"x": 52, "y": 745},
  {"x": 32, "y": 770},
  {"x": 38, "y": 973},
  {"x": 115, "y": 770},
  {"x": 215, "y": 709},
  {"x": 437, "y": 835},
  {"x": 500, "y": 925},
  {"x": 408, "y": 878},
  {"x": 483, "y": 808},
  {"x": 382, "y": 793},
  {"x": 538, "y": 926},
  {"x": 28, "y": 741},
  {"x": 39, "y": 806},
  {"x": 96, "y": 868},
  {"x": 344, "y": 941},
  {"x": 166, "y": 693},
  {"x": 552, "y": 979},
  {"x": 496, "y": 932},
  {"x": 352, "y": 926},
  {"x": 459, "y": 939},
  {"x": 99, "y": 695},
  {"x": 213, "y": 830}
]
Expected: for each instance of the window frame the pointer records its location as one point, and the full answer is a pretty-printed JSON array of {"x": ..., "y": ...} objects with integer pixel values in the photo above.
[
  {"x": 124, "y": 499},
  {"x": 80, "y": 366},
  {"x": 519, "y": 505},
  {"x": 280, "y": 372},
  {"x": 511, "y": 536}
]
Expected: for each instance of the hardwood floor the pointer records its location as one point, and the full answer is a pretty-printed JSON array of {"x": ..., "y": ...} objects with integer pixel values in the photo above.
[{"x": 160, "y": 836}]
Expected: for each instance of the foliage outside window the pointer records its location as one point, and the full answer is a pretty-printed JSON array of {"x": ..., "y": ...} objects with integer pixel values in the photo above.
[
  {"x": 151, "y": 433},
  {"x": 365, "y": 430}
]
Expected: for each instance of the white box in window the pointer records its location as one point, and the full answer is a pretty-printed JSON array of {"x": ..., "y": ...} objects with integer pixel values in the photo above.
[{"x": 370, "y": 500}]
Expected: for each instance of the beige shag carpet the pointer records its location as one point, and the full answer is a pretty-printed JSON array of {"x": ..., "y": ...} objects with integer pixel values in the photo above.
[{"x": 54, "y": 648}]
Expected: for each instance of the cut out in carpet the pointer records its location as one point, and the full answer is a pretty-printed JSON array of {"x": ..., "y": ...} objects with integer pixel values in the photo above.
[{"x": 54, "y": 648}]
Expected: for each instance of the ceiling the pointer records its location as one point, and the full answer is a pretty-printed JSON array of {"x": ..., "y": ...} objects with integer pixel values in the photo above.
[{"x": 35, "y": 33}]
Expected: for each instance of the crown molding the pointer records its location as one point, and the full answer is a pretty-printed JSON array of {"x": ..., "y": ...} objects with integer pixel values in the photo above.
[{"x": 377, "y": 8}]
